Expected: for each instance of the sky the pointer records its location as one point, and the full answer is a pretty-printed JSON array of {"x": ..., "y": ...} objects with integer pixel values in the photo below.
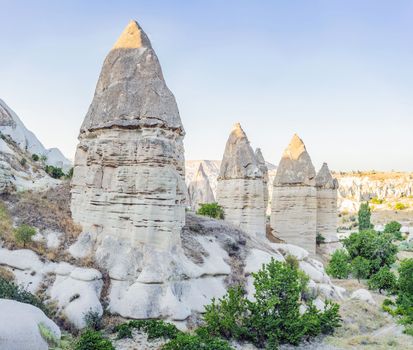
[{"x": 338, "y": 73}]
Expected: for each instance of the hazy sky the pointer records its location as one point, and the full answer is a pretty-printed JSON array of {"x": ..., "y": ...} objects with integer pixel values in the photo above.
[{"x": 339, "y": 73}]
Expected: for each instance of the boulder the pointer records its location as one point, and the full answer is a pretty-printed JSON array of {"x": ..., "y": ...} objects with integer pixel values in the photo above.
[
  {"x": 19, "y": 326},
  {"x": 363, "y": 295}
]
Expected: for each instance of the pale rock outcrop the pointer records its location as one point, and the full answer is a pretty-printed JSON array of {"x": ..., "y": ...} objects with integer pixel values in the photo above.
[
  {"x": 262, "y": 165},
  {"x": 19, "y": 326},
  {"x": 326, "y": 204},
  {"x": 240, "y": 189},
  {"x": 363, "y": 295},
  {"x": 128, "y": 177},
  {"x": 199, "y": 189},
  {"x": 294, "y": 198}
]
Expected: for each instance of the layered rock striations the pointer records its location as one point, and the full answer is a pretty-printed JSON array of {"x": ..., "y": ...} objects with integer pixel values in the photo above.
[
  {"x": 240, "y": 189},
  {"x": 327, "y": 187},
  {"x": 199, "y": 189},
  {"x": 129, "y": 165},
  {"x": 294, "y": 198},
  {"x": 262, "y": 165}
]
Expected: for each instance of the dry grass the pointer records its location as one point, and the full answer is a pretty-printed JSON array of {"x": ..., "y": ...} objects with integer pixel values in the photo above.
[
  {"x": 6, "y": 274},
  {"x": 376, "y": 175},
  {"x": 47, "y": 210}
]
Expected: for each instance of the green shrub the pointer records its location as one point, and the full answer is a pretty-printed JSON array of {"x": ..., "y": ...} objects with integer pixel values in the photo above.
[
  {"x": 405, "y": 290},
  {"x": 392, "y": 227},
  {"x": 153, "y": 328},
  {"x": 273, "y": 317},
  {"x": 364, "y": 216},
  {"x": 378, "y": 249},
  {"x": 384, "y": 279},
  {"x": 360, "y": 268},
  {"x": 213, "y": 210},
  {"x": 339, "y": 265},
  {"x": 35, "y": 157},
  {"x": 8, "y": 290},
  {"x": 69, "y": 174},
  {"x": 185, "y": 341},
  {"x": 48, "y": 335},
  {"x": 54, "y": 172},
  {"x": 24, "y": 233},
  {"x": 93, "y": 340},
  {"x": 23, "y": 162},
  {"x": 93, "y": 320}
]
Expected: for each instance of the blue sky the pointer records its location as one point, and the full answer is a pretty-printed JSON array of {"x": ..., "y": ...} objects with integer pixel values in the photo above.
[{"x": 339, "y": 73}]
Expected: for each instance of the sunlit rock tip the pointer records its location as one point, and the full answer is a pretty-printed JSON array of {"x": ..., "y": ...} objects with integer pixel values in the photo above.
[
  {"x": 240, "y": 189},
  {"x": 132, "y": 37},
  {"x": 294, "y": 198}
]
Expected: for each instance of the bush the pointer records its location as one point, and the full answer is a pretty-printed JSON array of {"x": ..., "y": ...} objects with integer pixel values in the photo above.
[
  {"x": 186, "y": 341},
  {"x": 35, "y": 157},
  {"x": 378, "y": 249},
  {"x": 400, "y": 206},
  {"x": 54, "y": 172},
  {"x": 8, "y": 290},
  {"x": 364, "y": 215},
  {"x": 320, "y": 239},
  {"x": 213, "y": 210},
  {"x": 384, "y": 279},
  {"x": 93, "y": 320},
  {"x": 339, "y": 265},
  {"x": 24, "y": 233},
  {"x": 360, "y": 268},
  {"x": 23, "y": 162},
  {"x": 69, "y": 174},
  {"x": 376, "y": 200},
  {"x": 405, "y": 290},
  {"x": 93, "y": 340},
  {"x": 273, "y": 317},
  {"x": 153, "y": 328},
  {"x": 393, "y": 228}
]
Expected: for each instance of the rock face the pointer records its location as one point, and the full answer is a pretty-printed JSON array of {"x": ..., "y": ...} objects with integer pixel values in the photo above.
[
  {"x": 19, "y": 326},
  {"x": 240, "y": 189},
  {"x": 17, "y": 145},
  {"x": 294, "y": 198},
  {"x": 326, "y": 204},
  {"x": 264, "y": 169},
  {"x": 129, "y": 165},
  {"x": 199, "y": 189}
]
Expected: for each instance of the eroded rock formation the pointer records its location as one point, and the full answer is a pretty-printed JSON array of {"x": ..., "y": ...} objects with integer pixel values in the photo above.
[
  {"x": 264, "y": 169},
  {"x": 240, "y": 189},
  {"x": 199, "y": 189},
  {"x": 326, "y": 204},
  {"x": 129, "y": 164},
  {"x": 294, "y": 198}
]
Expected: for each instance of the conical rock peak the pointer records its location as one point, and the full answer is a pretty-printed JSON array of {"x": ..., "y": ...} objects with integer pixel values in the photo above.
[{"x": 325, "y": 179}]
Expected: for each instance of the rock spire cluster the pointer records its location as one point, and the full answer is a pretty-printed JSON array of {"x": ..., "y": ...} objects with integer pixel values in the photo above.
[{"x": 199, "y": 189}]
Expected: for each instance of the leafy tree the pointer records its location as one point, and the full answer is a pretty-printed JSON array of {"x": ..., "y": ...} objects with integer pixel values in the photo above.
[
  {"x": 213, "y": 210},
  {"x": 24, "y": 233},
  {"x": 35, "y": 157},
  {"x": 273, "y": 317},
  {"x": 360, "y": 268},
  {"x": 364, "y": 215},
  {"x": 384, "y": 279},
  {"x": 339, "y": 265},
  {"x": 393, "y": 228},
  {"x": 378, "y": 249},
  {"x": 404, "y": 299}
]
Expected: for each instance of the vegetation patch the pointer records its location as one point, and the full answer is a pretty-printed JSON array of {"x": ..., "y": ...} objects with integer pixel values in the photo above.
[{"x": 213, "y": 210}]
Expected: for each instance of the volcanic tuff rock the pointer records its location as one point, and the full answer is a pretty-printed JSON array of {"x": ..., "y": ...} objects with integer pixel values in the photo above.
[
  {"x": 240, "y": 189},
  {"x": 17, "y": 145},
  {"x": 294, "y": 198},
  {"x": 199, "y": 189},
  {"x": 264, "y": 169},
  {"x": 326, "y": 204}
]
